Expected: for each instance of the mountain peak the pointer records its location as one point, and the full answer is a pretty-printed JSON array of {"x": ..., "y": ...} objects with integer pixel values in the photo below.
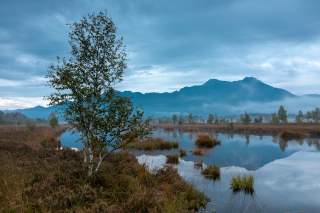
[{"x": 250, "y": 79}]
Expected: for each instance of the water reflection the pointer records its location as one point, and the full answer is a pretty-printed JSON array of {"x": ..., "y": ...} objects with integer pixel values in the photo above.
[
  {"x": 248, "y": 151},
  {"x": 285, "y": 185}
]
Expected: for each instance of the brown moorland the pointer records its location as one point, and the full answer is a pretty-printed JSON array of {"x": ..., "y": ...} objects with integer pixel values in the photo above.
[{"x": 37, "y": 177}]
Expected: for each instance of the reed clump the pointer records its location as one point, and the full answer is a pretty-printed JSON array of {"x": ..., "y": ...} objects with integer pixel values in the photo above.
[
  {"x": 242, "y": 183},
  {"x": 211, "y": 172},
  {"x": 204, "y": 140},
  {"x": 173, "y": 159}
]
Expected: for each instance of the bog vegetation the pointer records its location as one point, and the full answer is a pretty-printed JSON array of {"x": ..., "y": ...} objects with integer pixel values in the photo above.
[
  {"x": 150, "y": 143},
  {"x": 204, "y": 140},
  {"x": 242, "y": 183},
  {"x": 35, "y": 176},
  {"x": 211, "y": 172}
]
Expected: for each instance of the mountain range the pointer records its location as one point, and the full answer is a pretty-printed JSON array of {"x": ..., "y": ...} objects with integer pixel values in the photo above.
[{"x": 214, "y": 96}]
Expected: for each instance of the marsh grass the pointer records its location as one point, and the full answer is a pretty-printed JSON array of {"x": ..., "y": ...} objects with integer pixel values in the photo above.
[
  {"x": 153, "y": 144},
  {"x": 36, "y": 177},
  {"x": 173, "y": 159},
  {"x": 242, "y": 183},
  {"x": 204, "y": 140},
  {"x": 211, "y": 172}
]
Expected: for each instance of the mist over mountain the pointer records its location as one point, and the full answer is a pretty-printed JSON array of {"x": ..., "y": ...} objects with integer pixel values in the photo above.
[{"x": 214, "y": 96}]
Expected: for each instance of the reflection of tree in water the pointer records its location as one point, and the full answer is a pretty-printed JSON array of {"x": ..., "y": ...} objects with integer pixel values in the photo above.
[
  {"x": 242, "y": 202},
  {"x": 175, "y": 134},
  {"x": 191, "y": 136},
  {"x": 283, "y": 144},
  {"x": 260, "y": 137},
  {"x": 313, "y": 141},
  {"x": 275, "y": 139},
  {"x": 230, "y": 135},
  {"x": 247, "y": 137}
]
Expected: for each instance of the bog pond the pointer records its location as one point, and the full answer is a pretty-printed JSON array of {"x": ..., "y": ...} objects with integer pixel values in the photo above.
[{"x": 286, "y": 174}]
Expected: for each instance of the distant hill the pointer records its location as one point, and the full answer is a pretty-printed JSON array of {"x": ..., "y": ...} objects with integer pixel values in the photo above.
[{"x": 214, "y": 96}]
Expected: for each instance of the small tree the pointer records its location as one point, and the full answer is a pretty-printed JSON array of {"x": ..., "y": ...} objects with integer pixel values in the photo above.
[
  {"x": 275, "y": 119},
  {"x": 84, "y": 85},
  {"x": 210, "y": 119},
  {"x": 53, "y": 121},
  {"x": 190, "y": 118},
  {"x": 282, "y": 115},
  {"x": 245, "y": 119},
  {"x": 174, "y": 119},
  {"x": 299, "y": 117},
  {"x": 258, "y": 120}
]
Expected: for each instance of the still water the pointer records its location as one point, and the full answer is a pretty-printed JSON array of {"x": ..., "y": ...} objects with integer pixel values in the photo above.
[{"x": 286, "y": 174}]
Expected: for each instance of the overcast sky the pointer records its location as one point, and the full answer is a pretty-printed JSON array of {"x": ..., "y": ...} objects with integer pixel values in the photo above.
[{"x": 170, "y": 43}]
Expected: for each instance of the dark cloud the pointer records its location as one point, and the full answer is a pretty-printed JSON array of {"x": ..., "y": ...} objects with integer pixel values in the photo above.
[{"x": 167, "y": 40}]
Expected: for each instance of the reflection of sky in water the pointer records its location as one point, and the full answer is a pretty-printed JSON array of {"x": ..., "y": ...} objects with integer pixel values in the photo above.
[
  {"x": 70, "y": 139},
  {"x": 285, "y": 185},
  {"x": 286, "y": 174},
  {"x": 250, "y": 152}
]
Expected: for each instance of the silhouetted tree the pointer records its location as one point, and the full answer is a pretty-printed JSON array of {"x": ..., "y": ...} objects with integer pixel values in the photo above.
[
  {"x": 245, "y": 119},
  {"x": 258, "y": 120},
  {"x": 210, "y": 119},
  {"x": 174, "y": 119},
  {"x": 190, "y": 118},
  {"x": 275, "y": 119},
  {"x": 84, "y": 85},
  {"x": 282, "y": 115},
  {"x": 299, "y": 117},
  {"x": 53, "y": 121}
]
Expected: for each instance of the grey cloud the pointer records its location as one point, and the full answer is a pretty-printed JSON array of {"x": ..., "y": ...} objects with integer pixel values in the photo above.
[{"x": 225, "y": 39}]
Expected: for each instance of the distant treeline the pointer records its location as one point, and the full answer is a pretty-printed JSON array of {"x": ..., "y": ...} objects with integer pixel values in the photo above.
[
  {"x": 17, "y": 118},
  {"x": 279, "y": 117}
]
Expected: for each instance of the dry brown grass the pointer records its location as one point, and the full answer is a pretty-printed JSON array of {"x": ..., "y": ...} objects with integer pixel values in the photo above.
[
  {"x": 153, "y": 144},
  {"x": 173, "y": 159},
  {"x": 253, "y": 129},
  {"x": 204, "y": 140},
  {"x": 212, "y": 172},
  {"x": 39, "y": 178}
]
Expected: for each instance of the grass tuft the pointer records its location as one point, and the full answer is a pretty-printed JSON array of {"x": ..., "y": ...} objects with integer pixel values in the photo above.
[
  {"x": 212, "y": 172},
  {"x": 204, "y": 140},
  {"x": 173, "y": 159},
  {"x": 242, "y": 183}
]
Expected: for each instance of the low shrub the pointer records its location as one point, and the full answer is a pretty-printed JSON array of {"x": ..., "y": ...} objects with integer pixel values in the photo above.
[
  {"x": 212, "y": 172},
  {"x": 242, "y": 183},
  {"x": 173, "y": 159},
  {"x": 153, "y": 144},
  {"x": 204, "y": 140}
]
